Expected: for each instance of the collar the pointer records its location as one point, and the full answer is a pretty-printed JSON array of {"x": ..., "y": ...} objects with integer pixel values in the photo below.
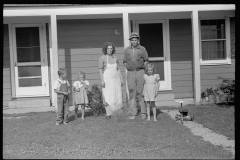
[
  {"x": 138, "y": 46},
  {"x": 62, "y": 81}
]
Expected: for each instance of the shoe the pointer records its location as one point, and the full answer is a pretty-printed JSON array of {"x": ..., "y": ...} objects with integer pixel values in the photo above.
[
  {"x": 155, "y": 120},
  {"x": 132, "y": 117},
  {"x": 148, "y": 119},
  {"x": 143, "y": 116},
  {"x": 65, "y": 122},
  {"x": 108, "y": 117},
  {"x": 57, "y": 124}
]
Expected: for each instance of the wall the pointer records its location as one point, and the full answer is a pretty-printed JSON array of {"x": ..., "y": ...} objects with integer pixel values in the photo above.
[
  {"x": 210, "y": 74},
  {"x": 80, "y": 44},
  {"x": 181, "y": 55},
  {"x": 6, "y": 67}
]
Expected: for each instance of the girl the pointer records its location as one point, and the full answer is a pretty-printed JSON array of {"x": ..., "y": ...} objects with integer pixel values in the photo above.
[
  {"x": 150, "y": 90},
  {"x": 81, "y": 98}
]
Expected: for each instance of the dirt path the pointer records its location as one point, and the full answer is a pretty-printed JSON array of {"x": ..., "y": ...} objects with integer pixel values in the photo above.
[{"x": 205, "y": 133}]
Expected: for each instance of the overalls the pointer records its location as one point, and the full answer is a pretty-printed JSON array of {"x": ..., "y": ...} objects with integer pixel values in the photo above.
[{"x": 63, "y": 107}]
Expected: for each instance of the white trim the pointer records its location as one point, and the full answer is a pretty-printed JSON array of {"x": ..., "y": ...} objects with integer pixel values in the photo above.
[
  {"x": 12, "y": 60},
  {"x": 113, "y": 9},
  {"x": 29, "y": 91},
  {"x": 53, "y": 55},
  {"x": 166, "y": 58},
  {"x": 228, "y": 45},
  {"x": 196, "y": 62},
  {"x": 126, "y": 34}
]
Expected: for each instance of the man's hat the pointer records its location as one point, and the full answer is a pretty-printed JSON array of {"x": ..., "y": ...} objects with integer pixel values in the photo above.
[{"x": 134, "y": 35}]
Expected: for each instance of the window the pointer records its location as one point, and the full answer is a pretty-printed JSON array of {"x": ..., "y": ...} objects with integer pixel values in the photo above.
[{"x": 215, "y": 43}]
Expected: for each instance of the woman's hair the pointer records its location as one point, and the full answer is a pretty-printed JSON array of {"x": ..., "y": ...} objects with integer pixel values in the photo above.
[
  {"x": 105, "y": 46},
  {"x": 61, "y": 71},
  {"x": 81, "y": 73},
  {"x": 150, "y": 65}
]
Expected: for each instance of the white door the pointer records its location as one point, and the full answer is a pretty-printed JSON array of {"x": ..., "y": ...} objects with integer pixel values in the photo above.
[
  {"x": 153, "y": 36},
  {"x": 30, "y": 60}
]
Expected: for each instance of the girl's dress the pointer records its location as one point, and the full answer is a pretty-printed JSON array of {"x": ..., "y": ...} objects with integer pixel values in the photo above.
[
  {"x": 150, "y": 87},
  {"x": 81, "y": 96},
  {"x": 112, "y": 91}
]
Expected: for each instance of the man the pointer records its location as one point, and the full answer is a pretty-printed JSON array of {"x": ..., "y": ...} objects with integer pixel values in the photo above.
[{"x": 135, "y": 60}]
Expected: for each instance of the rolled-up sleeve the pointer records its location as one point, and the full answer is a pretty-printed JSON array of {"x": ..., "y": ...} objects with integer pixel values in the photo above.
[
  {"x": 145, "y": 54},
  {"x": 101, "y": 63}
]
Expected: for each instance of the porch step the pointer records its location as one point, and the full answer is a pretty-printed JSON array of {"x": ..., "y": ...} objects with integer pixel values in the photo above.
[
  {"x": 165, "y": 97},
  {"x": 29, "y": 103}
]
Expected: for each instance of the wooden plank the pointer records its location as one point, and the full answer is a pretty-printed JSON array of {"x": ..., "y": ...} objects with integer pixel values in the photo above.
[
  {"x": 177, "y": 43},
  {"x": 6, "y": 73},
  {"x": 7, "y": 97},
  {"x": 7, "y": 91},
  {"x": 6, "y": 85},
  {"x": 88, "y": 44},
  {"x": 184, "y": 37},
  {"x": 181, "y": 66},
  {"x": 5, "y": 103},
  {"x": 87, "y": 38},
  {"x": 182, "y": 89},
  {"x": 182, "y": 72},
  {"x": 88, "y": 32},
  {"x": 182, "y": 83},
  {"x": 88, "y": 51},
  {"x": 214, "y": 76},
  {"x": 82, "y": 58},
  {"x": 211, "y": 82},
  {"x": 218, "y": 70},
  {"x": 6, "y": 79},
  {"x": 183, "y": 95},
  {"x": 182, "y": 78}
]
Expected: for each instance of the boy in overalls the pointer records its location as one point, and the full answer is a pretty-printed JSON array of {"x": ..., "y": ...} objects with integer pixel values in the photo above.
[{"x": 62, "y": 88}]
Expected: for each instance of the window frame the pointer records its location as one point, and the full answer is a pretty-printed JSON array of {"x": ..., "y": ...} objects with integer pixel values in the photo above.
[{"x": 228, "y": 45}]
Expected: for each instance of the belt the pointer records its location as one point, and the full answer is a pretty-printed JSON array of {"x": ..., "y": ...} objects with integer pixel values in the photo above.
[{"x": 134, "y": 69}]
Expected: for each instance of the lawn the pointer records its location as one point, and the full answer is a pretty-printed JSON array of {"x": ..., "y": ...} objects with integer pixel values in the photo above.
[{"x": 35, "y": 135}]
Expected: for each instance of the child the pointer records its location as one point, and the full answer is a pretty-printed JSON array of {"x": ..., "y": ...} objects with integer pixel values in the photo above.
[
  {"x": 150, "y": 90},
  {"x": 81, "y": 95},
  {"x": 61, "y": 87}
]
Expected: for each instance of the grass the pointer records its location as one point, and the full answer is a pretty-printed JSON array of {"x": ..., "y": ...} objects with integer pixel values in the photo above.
[{"x": 36, "y": 136}]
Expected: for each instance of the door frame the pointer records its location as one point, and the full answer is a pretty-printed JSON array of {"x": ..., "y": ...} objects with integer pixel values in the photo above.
[
  {"x": 43, "y": 51},
  {"x": 166, "y": 43}
]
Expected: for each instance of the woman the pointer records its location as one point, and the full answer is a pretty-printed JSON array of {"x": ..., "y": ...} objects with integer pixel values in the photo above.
[{"x": 111, "y": 79}]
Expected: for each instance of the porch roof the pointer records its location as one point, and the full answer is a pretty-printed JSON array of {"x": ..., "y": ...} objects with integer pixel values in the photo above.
[{"x": 78, "y": 9}]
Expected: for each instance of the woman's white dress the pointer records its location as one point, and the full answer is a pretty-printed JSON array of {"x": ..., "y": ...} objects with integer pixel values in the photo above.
[{"x": 112, "y": 91}]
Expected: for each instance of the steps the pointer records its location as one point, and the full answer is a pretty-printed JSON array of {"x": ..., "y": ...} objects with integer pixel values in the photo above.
[
  {"x": 30, "y": 102},
  {"x": 169, "y": 100}
]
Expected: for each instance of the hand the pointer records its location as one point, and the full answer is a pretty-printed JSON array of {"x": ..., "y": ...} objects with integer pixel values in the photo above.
[
  {"x": 78, "y": 89},
  {"x": 65, "y": 93},
  {"x": 156, "y": 93},
  {"x": 103, "y": 84},
  {"x": 121, "y": 83}
]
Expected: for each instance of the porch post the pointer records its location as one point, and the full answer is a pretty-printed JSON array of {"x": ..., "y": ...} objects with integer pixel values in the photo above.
[
  {"x": 53, "y": 56},
  {"x": 196, "y": 60},
  {"x": 126, "y": 33}
]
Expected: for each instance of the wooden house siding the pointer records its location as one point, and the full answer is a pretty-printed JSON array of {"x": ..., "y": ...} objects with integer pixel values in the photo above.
[
  {"x": 210, "y": 74},
  {"x": 80, "y": 46},
  {"x": 181, "y": 56},
  {"x": 7, "y": 92}
]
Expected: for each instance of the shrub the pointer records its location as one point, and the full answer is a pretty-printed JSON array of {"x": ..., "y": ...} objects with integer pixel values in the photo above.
[
  {"x": 95, "y": 99},
  {"x": 203, "y": 94},
  {"x": 209, "y": 91},
  {"x": 228, "y": 88}
]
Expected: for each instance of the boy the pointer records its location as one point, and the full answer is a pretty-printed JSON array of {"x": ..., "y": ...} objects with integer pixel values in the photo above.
[{"x": 62, "y": 88}]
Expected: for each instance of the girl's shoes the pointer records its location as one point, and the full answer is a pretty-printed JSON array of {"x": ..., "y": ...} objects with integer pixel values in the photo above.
[{"x": 108, "y": 117}]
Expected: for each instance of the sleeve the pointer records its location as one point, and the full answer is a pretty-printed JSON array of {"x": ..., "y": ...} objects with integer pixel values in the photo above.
[
  {"x": 74, "y": 84},
  {"x": 145, "y": 54},
  {"x": 124, "y": 56},
  {"x": 68, "y": 83},
  {"x": 87, "y": 83},
  {"x": 55, "y": 86},
  {"x": 101, "y": 63}
]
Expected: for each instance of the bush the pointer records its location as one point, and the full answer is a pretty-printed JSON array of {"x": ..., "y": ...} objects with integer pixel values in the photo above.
[
  {"x": 228, "y": 88},
  {"x": 95, "y": 99}
]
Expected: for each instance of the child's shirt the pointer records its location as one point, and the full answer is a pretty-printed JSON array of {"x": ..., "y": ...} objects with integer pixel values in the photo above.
[
  {"x": 151, "y": 79},
  {"x": 58, "y": 83},
  {"x": 78, "y": 84}
]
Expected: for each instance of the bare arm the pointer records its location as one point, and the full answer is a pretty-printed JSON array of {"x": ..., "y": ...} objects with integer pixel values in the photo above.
[
  {"x": 85, "y": 85},
  {"x": 101, "y": 76},
  {"x": 60, "y": 92}
]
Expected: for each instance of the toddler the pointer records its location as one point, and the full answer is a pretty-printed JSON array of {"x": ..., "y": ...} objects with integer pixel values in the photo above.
[
  {"x": 62, "y": 88},
  {"x": 150, "y": 90},
  {"x": 81, "y": 98}
]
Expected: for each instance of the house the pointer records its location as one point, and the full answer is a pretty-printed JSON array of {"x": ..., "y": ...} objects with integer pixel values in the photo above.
[{"x": 191, "y": 45}]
